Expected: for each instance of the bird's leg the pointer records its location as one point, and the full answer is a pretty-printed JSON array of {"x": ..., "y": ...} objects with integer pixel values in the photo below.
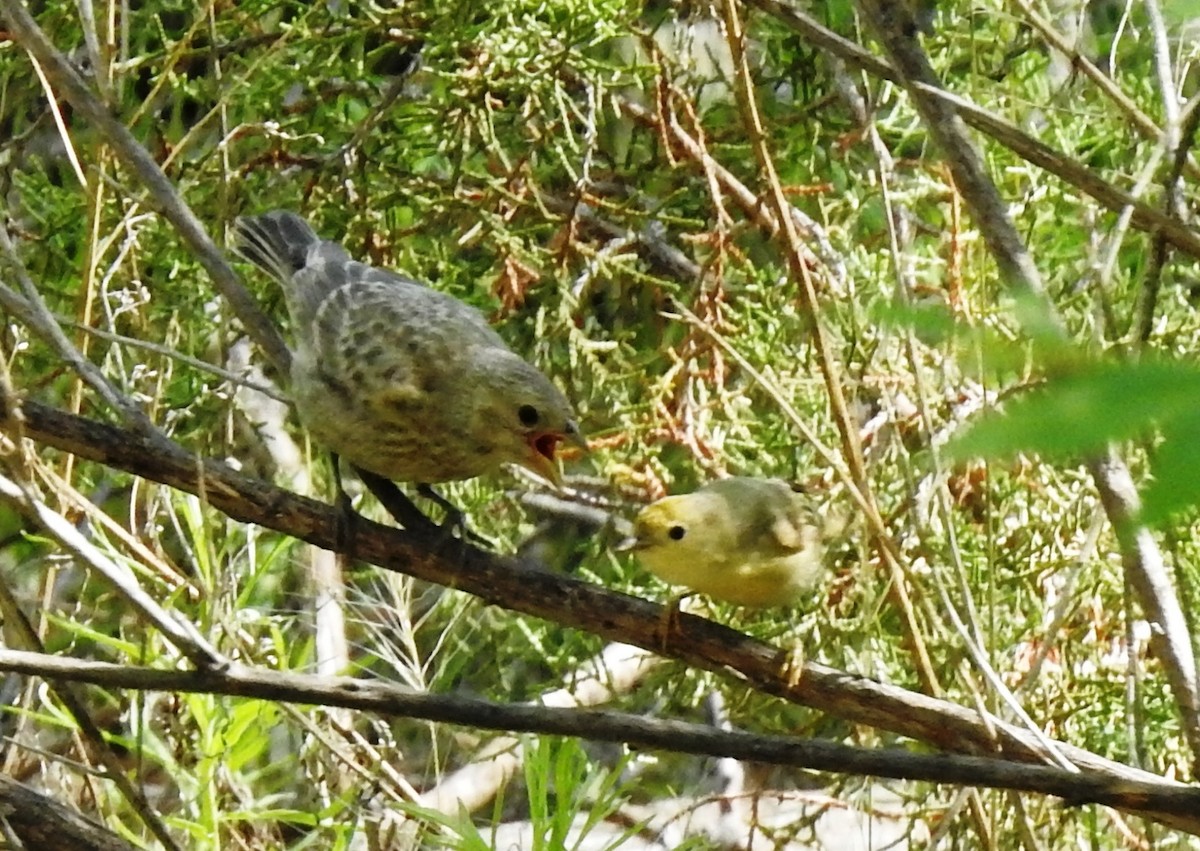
[
  {"x": 405, "y": 512},
  {"x": 395, "y": 502},
  {"x": 668, "y": 622},
  {"x": 455, "y": 519},
  {"x": 346, "y": 518},
  {"x": 791, "y": 669}
]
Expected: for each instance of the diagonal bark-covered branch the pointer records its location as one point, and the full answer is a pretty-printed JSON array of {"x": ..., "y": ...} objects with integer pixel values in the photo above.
[
  {"x": 509, "y": 583},
  {"x": 42, "y": 823}
]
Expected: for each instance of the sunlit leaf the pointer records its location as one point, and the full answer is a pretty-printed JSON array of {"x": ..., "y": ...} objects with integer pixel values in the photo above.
[
  {"x": 1181, "y": 12},
  {"x": 1175, "y": 468},
  {"x": 1074, "y": 414}
]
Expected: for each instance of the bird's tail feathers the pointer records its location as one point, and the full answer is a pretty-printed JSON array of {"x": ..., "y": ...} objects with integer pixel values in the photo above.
[{"x": 278, "y": 242}]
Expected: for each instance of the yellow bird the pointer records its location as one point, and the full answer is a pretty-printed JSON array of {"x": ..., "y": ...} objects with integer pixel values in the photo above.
[{"x": 746, "y": 541}]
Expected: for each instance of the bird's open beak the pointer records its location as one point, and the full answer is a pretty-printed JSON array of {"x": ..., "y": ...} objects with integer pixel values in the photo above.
[
  {"x": 543, "y": 451},
  {"x": 543, "y": 457},
  {"x": 572, "y": 435}
]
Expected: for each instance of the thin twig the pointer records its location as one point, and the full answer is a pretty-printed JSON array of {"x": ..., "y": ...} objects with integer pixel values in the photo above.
[
  {"x": 601, "y": 725},
  {"x": 170, "y": 353},
  {"x": 1173, "y": 204},
  {"x": 63, "y": 74},
  {"x": 60, "y": 124}
]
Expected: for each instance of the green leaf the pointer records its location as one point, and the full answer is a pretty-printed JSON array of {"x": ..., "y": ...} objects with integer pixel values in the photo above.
[
  {"x": 1181, "y": 12},
  {"x": 1175, "y": 469},
  {"x": 1071, "y": 415}
]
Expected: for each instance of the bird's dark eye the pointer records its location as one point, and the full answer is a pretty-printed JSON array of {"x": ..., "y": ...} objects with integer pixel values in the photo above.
[
  {"x": 529, "y": 415},
  {"x": 676, "y": 533}
]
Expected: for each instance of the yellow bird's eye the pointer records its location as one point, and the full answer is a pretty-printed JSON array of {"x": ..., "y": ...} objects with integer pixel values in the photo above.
[{"x": 676, "y": 532}]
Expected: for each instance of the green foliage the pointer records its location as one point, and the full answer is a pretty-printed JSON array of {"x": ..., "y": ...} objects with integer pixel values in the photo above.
[
  {"x": 510, "y": 172},
  {"x": 1081, "y": 413},
  {"x": 1082, "y": 406}
]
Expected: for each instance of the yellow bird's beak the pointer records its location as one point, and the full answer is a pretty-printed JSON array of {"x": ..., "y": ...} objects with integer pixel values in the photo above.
[{"x": 631, "y": 544}]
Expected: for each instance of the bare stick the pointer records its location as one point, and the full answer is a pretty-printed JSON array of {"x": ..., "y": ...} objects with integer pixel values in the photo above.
[
  {"x": 1163, "y": 796},
  {"x": 26, "y": 33}
]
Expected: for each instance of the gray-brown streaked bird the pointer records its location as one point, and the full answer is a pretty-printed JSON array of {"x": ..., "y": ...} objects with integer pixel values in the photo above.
[{"x": 401, "y": 380}]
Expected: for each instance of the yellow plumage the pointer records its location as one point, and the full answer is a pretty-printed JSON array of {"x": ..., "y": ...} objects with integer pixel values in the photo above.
[{"x": 747, "y": 541}]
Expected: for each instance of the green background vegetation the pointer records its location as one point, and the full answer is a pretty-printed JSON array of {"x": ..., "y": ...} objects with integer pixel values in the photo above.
[{"x": 464, "y": 174}]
